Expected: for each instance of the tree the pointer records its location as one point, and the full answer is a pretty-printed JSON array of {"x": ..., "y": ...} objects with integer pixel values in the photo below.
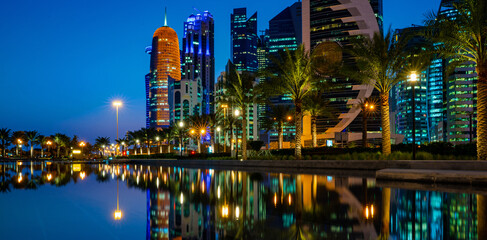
[
  {"x": 4, "y": 139},
  {"x": 292, "y": 73},
  {"x": 33, "y": 138},
  {"x": 62, "y": 141},
  {"x": 19, "y": 139},
  {"x": 315, "y": 106},
  {"x": 368, "y": 108},
  {"x": 242, "y": 87},
  {"x": 199, "y": 126},
  {"x": 279, "y": 115},
  {"x": 122, "y": 142},
  {"x": 464, "y": 39},
  {"x": 380, "y": 62},
  {"x": 101, "y": 143}
]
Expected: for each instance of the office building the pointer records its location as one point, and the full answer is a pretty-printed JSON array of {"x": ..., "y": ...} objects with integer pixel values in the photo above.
[{"x": 244, "y": 40}]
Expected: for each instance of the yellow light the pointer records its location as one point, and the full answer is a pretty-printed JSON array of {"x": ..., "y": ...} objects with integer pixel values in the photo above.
[
  {"x": 237, "y": 112},
  {"x": 76, "y": 167},
  {"x": 224, "y": 106},
  {"x": 367, "y": 212},
  {"x": 117, "y": 215},
  {"x": 181, "y": 124},
  {"x": 19, "y": 163},
  {"x": 372, "y": 106},
  {"x": 289, "y": 199},
  {"x": 203, "y": 187},
  {"x": 414, "y": 76},
  {"x": 237, "y": 212},
  {"x": 82, "y": 144},
  {"x": 372, "y": 210},
  {"x": 49, "y": 142},
  {"x": 218, "y": 192},
  {"x": 275, "y": 199},
  {"x": 225, "y": 211},
  {"x": 203, "y": 131},
  {"x": 218, "y": 129},
  {"x": 192, "y": 187},
  {"x": 76, "y": 151},
  {"x": 157, "y": 138},
  {"x": 49, "y": 177},
  {"x": 82, "y": 175},
  {"x": 20, "y": 178},
  {"x": 289, "y": 118},
  {"x": 192, "y": 131},
  {"x": 117, "y": 103},
  {"x": 182, "y": 198},
  {"x": 19, "y": 141}
]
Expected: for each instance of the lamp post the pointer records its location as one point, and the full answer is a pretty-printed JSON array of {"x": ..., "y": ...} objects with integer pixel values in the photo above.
[
  {"x": 218, "y": 129},
  {"x": 19, "y": 141},
  {"x": 202, "y": 131},
  {"x": 181, "y": 125},
  {"x": 366, "y": 109},
  {"x": 224, "y": 106},
  {"x": 137, "y": 143},
  {"x": 82, "y": 145},
  {"x": 414, "y": 78},
  {"x": 236, "y": 114},
  {"x": 117, "y": 104},
  {"x": 159, "y": 143},
  {"x": 49, "y": 143}
]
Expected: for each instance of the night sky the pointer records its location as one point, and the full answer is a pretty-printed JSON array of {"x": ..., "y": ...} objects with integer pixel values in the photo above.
[{"x": 63, "y": 62}]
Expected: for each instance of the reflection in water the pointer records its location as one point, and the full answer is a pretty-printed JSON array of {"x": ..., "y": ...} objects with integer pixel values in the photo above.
[{"x": 211, "y": 204}]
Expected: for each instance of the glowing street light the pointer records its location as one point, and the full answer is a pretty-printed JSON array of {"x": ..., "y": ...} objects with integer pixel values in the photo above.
[
  {"x": 82, "y": 175},
  {"x": 117, "y": 215},
  {"x": 82, "y": 145},
  {"x": 117, "y": 104}
]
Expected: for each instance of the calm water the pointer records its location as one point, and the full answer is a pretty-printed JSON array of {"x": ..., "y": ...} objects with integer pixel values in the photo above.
[{"x": 56, "y": 201}]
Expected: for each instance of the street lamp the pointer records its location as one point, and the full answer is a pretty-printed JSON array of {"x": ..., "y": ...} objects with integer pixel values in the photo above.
[
  {"x": 19, "y": 141},
  {"x": 236, "y": 114},
  {"x": 224, "y": 106},
  {"x": 413, "y": 79},
  {"x": 181, "y": 125},
  {"x": 159, "y": 143},
  {"x": 218, "y": 129},
  {"x": 82, "y": 145},
  {"x": 117, "y": 104}
]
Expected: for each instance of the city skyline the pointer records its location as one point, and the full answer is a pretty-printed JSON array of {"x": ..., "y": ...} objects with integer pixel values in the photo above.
[{"x": 99, "y": 72}]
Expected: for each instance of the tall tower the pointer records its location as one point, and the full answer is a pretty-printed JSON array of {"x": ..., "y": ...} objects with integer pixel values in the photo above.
[
  {"x": 164, "y": 64},
  {"x": 244, "y": 40},
  {"x": 198, "y": 56}
]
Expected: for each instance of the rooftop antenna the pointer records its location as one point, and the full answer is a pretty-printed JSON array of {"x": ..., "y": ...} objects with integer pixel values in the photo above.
[{"x": 165, "y": 16}]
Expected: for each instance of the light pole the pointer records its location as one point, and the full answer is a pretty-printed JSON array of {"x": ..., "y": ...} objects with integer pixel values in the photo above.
[
  {"x": 236, "y": 114},
  {"x": 138, "y": 143},
  {"x": 218, "y": 142},
  {"x": 181, "y": 125},
  {"x": 159, "y": 143},
  {"x": 224, "y": 106},
  {"x": 117, "y": 104},
  {"x": 202, "y": 131},
  {"x": 82, "y": 145},
  {"x": 414, "y": 78},
  {"x": 19, "y": 141}
]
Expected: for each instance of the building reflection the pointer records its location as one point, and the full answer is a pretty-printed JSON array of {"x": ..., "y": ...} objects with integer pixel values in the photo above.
[{"x": 215, "y": 204}]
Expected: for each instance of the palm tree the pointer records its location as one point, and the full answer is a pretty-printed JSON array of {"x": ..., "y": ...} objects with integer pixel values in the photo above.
[
  {"x": 380, "y": 62},
  {"x": 5, "y": 139},
  {"x": 231, "y": 123},
  {"x": 315, "y": 106},
  {"x": 368, "y": 108},
  {"x": 200, "y": 124},
  {"x": 463, "y": 39},
  {"x": 279, "y": 114},
  {"x": 33, "y": 138},
  {"x": 61, "y": 140},
  {"x": 101, "y": 143},
  {"x": 241, "y": 87},
  {"x": 293, "y": 73},
  {"x": 19, "y": 139},
  {"x": 122, "y": 142}
]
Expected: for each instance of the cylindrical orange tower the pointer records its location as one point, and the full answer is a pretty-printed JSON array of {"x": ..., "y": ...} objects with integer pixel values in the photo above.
[{"x": 165, "y": 63}]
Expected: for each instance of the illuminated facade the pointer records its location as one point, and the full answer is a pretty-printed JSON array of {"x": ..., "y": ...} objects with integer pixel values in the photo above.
[
  {"x": 198, "y": 60},
  {"x": 158, "y": 207},
  {"x": 244, "y": 40},
  {"x": 164, "y": 63}
]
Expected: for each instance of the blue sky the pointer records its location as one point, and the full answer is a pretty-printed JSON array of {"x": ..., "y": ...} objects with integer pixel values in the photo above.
[{"x": 63, "y": 62}]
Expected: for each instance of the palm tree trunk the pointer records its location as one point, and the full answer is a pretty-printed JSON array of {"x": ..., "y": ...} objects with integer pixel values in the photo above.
[
  {"x": 364, "y": 129},
  {"x": 58, "y": 152},
  {"x": 385, "y": 122},
  {"x": 299, "y": 116},
  {"x": 313, "y": 131},
  {"x": 212, "y": 140},
  {"x": 42, "y": 151},
  {"x": 225, "y": 133},
  {"x": 482, "y": 112},
  {"x": 244, "y": 133},
  {"x": 199, "y": 144},
  {"x": 31, "y": 150},
  {"x": 279, "y": 134},
  {"x": 481, "y": 216},
  {"x": 231, "y": 142}
]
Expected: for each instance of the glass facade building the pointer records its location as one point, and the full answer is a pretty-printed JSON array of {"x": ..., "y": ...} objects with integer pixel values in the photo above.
[
  {"x": 164, "y": 64},
  {"x": 244, "y": 40}
]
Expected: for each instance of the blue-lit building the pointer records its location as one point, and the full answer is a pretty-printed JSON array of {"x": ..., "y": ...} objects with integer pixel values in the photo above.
[
  {"x": 244, "y": 40},
  {"x": 198, "y": 60}
]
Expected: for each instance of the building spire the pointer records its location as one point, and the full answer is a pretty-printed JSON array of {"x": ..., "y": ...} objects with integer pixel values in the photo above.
[{"x": 165, "y": 16}]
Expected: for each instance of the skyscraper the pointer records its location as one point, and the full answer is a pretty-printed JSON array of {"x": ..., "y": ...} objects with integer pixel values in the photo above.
[
  {"x": 285, "y": 29},
  {"x": 244, "y": 40},
  {"x": 334, "y": 21},
  {"x": 198, "y": 56},
  {"x": 164, "y": 63}
]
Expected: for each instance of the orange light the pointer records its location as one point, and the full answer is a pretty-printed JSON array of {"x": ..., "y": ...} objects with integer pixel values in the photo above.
[
  {"x": 117, "y": 215},
  {"x": 289, "y": 118},
  {"x": 49, "y": 177},
  {"x": 275, "y": 199},
  {"x": 20, "y": 178},
  {"x": 82, "y": 175},
  {"x": 203, "y": 131},
  {"x": 82, "y": 144},
  {"x": 289, "y": 199},
  {"x": 367, "y": 212}
]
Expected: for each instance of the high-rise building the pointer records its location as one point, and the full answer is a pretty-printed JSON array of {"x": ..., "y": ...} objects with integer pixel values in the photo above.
[
  {"x": 198, "y": 60},
  {"x": 244, "y": 40},
  {"x": 164, "y": 63},
  {"x": 340, "y": 21},
  {"x": 285, "y": 29},
  {"x": 158, "y": 207},
  {"x": 461, "y": 93},
  {"x": 184, "y": 98}
]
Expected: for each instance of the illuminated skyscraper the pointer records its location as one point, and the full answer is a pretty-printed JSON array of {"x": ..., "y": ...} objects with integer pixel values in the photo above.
[
  {"x": 164, "y": 63},
  {"x": 198, "y": 58},
  {"x": 244, "y": 40}
]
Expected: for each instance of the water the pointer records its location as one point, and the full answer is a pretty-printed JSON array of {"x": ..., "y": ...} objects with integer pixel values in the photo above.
[{"x": 73, "y": 201}]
